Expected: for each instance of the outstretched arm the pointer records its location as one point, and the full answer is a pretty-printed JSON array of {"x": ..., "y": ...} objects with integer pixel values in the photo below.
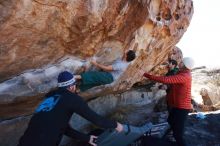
[
  {"x": 106, "y": 68},
  {"x": 85, "y": 111},
  {"x": 174, "y": 79}
]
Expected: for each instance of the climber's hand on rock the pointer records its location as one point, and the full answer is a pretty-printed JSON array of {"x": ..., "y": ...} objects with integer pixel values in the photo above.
[{"x": 93, "y": 62}]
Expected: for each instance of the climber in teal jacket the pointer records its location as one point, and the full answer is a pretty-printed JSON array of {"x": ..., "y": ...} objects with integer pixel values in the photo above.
[{"x": 108, "y": 74}]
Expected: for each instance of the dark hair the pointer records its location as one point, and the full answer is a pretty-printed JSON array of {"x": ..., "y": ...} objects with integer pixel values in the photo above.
[
  {"x": 130, "y": 55},
  {"x": 173, "y": 62}
]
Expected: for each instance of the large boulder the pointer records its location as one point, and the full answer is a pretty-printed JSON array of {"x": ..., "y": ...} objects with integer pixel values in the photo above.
[
  {"x": 40, "y": 38},
  {"x": 206, "y": 88}
]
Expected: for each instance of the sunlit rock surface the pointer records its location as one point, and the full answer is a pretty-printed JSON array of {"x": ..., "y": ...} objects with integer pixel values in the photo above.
[
  {"x": 206, "y": 88},
  {"x": 40, "y": 38}
]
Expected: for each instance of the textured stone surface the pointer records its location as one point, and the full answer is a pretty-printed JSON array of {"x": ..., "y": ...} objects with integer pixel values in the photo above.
[
  {"x": 40, "y": 38},
  {"x": 114, "y": 106},
  {"x": 11, "y": 130},
  {"x": 206, "y": 89},
  {"x": 136, "y": 107}
]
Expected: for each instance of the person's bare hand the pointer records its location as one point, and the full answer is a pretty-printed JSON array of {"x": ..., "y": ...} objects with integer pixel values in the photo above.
[
  {"x": 93, "y": 62},
  {"x": 92, "y": 140},
  {"x": 119, "y": 127}
]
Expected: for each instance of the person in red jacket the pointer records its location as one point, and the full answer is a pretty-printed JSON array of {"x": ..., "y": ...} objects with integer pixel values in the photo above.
[{"x": 179, "y": 97}]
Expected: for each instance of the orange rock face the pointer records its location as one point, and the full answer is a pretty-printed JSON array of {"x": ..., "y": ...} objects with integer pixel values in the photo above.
[
  {"x": 39, "y": 32},
  {"x": 37, "y": 37}
]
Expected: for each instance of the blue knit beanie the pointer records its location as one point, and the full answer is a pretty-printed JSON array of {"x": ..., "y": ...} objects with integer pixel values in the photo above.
[{"x": 65, "y": 79}]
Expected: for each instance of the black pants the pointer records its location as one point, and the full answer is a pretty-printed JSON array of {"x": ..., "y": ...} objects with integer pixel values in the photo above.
[{"x": 177, "y": 119}]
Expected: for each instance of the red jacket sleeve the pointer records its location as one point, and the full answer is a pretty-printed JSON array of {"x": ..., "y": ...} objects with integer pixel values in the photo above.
[{"x": 175, "y": 79}]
